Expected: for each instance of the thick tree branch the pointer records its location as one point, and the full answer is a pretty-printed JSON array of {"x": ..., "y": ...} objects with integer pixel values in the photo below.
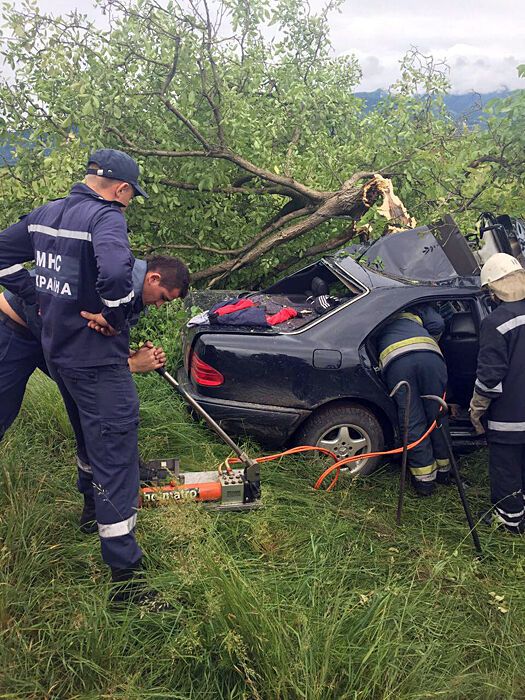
[
  {"x": 350, "y": 201},
  {"x": 316, "y": 250},
  {"x": 227, "y": 189},
  {"x": 224, "y": 154},
  {"x": 186, "y": 246}
]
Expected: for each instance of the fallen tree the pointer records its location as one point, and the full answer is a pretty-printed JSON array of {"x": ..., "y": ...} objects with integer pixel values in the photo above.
[{"x": 255, "y": 149}]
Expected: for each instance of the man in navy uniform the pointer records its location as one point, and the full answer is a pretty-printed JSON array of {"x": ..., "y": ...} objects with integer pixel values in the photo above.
[
  {"x": 83, "y": 263},
  {"x": 155, "y": 281},
  {"x": 408, "y": 350},
  {"x": 498, "y": 403}
]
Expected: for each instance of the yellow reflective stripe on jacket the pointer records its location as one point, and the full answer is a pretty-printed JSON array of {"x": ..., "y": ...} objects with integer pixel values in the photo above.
[
  {"x": 410, "y": 317},
  {"x": 423, "y": 471},
  {"x": 423, "y": 342}
]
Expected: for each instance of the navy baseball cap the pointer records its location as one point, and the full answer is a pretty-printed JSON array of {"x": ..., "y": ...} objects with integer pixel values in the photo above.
[{"x": 116, "y": 165}]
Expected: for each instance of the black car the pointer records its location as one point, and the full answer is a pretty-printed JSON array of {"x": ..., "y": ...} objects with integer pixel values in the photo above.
[{"x": 314, "y": 380}]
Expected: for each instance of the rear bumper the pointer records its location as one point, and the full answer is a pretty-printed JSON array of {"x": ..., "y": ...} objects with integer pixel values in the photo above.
[{"x": 272, "y": 426}]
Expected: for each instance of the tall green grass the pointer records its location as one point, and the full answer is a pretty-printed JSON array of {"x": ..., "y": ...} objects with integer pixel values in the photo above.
[{"x": 316, "y": 596}]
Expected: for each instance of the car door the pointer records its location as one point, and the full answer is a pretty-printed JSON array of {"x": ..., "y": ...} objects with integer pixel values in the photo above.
[
  {"x": 501, "y": 234},
  {"x": 459, "y": 344}
]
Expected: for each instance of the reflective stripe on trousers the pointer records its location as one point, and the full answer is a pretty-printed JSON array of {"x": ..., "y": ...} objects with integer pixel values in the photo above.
[
  {"x": 107, "y": 403},
  {"x": 427, "y": 374},
  {"x": 507, "y": 481}
]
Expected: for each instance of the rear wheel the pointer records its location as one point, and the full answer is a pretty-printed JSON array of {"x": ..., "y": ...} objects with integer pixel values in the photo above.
[{"x": 347, "y": 430}]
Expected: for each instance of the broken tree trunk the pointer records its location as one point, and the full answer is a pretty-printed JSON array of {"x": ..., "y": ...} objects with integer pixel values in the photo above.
[{"x": 352, "y": 201}]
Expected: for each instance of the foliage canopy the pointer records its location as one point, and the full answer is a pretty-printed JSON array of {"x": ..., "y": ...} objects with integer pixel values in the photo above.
[{"x": 254, "y": 147}]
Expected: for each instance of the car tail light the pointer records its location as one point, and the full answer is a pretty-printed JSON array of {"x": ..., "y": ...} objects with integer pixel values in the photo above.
[{"x": 204, "y": 374}]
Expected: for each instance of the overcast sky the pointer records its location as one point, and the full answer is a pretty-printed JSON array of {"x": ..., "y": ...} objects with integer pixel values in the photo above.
[{"x": 482, "y": 41}]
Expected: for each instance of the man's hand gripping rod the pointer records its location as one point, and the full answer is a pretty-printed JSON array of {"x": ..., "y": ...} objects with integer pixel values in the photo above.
[{"x": 251, "y": 467}]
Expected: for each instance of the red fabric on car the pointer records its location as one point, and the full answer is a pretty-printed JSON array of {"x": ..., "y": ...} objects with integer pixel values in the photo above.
[{"x": 281, "y": 316}]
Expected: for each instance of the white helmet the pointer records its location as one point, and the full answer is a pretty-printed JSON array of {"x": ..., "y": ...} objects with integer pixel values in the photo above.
[{"x": 498, "y": 266}]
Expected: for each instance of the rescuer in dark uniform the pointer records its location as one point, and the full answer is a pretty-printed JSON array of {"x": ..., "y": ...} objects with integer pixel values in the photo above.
[
  {"x": 83, "y": 262},
  {"x": 155, "y": 282},
  {"x": 408, "y": 350},
  {"x": 499, "y": 392}
]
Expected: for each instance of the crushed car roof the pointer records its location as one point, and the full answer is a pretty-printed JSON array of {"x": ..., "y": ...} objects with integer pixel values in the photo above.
[{"x": 425, "y": 255}]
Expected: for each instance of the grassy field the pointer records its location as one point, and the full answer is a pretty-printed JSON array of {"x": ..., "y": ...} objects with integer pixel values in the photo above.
[{"x": 316, "y": 596}]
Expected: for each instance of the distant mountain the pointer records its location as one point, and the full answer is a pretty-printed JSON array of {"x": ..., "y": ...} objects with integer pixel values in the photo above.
[{"x": 468, "y": 106}]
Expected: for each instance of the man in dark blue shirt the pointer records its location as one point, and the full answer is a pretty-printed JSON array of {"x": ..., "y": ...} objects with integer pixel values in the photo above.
[{"x": 83, "y": 263}]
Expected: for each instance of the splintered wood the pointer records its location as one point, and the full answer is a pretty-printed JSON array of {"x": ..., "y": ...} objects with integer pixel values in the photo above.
[{"x": 392, "y": 207}]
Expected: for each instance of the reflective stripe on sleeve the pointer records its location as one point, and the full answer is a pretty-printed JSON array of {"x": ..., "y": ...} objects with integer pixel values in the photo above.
[
  {"x": 506, "y": 426},
  {"x": 510, "y": 325},
  {"x": 10, "y": 270},
  {"x": 498, "y": 389},
  {"x": 124, "y": 527},
  {"x": 118, "y": 302},
  {"x": 59, "y": 232},
  {"x": 408, "y": 345}
]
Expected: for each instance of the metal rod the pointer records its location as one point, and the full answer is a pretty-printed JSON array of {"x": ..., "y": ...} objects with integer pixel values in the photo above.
[
  {"x": 404, "y": 459},
  {"x": 455, "y": 470},
  {"x": 209, "y": 420}
]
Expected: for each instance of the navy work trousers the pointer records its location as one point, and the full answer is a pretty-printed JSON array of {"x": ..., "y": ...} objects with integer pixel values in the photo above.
[
  {"x": 426, "y": 373},
  {"x": 103, "y": 402},
  {"x": 20, "y": 355},
  {"x": 507, "y": 482}
]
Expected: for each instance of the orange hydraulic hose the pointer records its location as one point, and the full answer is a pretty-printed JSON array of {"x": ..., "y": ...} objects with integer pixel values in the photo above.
[
  {"x": 356, "y": 458},
  {"x": 337, "y": 464},
  {"x": 291, "y": 451}
]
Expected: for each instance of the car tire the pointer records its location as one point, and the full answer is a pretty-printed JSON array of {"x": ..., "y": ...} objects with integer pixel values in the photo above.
[{"x": 345, "y": 429}]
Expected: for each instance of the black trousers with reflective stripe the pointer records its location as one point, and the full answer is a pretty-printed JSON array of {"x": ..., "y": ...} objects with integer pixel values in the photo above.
[
  {"x": 507, "y": 481},
  {"x": 426, "y": 373}
]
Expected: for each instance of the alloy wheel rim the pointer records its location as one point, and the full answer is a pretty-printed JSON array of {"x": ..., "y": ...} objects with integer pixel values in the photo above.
[{"x": 347, "y": 440}]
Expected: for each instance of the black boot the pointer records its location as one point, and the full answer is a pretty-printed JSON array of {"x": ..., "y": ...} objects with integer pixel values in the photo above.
[
  {"x": 88, "y": 519},
  {"x": 444, "y": 478},
  {"x": 448, "y": 479},
  {"x": 129, "y": 588},
  {"x": 423, "y": 488},
  {"x": 488, "y": 518}
]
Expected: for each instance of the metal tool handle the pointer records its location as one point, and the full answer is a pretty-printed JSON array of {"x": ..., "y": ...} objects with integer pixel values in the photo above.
[
  {"x": 455, "y": 470},
  {"x": 251, "y": 466},
  {"x": 404, "y": 459},
  {"x": 209, "y": 420}
]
